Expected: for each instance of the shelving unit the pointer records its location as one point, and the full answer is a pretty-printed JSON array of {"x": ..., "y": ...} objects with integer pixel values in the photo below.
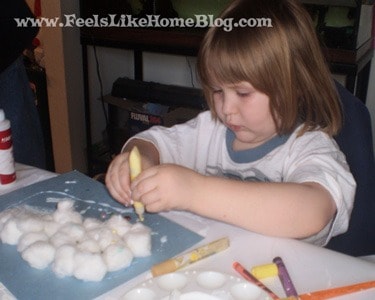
[{"x": 139, "y": 40}]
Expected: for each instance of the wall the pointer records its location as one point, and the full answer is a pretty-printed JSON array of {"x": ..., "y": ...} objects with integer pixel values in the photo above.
[
  {"x": 115, "y": 63},
  {"x": 63, "y": 65},
  {"x": 112, "y": 63}
]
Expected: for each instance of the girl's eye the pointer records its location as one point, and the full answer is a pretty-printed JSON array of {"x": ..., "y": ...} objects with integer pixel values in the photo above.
[{"x": 243, "y": 93}]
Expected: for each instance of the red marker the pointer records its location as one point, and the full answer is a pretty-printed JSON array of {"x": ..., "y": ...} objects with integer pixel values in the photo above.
[{"x": 245, "y": 274}]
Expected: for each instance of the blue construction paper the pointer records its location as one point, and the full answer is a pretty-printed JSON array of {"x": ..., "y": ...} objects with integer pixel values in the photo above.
[{"x": 92, "y": 200}]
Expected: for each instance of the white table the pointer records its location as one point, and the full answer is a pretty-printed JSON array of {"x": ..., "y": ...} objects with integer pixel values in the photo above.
[
  {"x": 26, "y": 175},
  {"x": 311, "y": 268}
]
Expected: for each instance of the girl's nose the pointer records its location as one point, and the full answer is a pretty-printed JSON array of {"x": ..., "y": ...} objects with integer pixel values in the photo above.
[{"x": 229, "y": 106}]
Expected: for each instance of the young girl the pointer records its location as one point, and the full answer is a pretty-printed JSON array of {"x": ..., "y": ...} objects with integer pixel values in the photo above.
[{"x": 263, "y": 158}]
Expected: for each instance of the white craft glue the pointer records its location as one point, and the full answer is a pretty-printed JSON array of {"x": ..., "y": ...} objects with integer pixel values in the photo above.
[{"x": 7, "y": 170}]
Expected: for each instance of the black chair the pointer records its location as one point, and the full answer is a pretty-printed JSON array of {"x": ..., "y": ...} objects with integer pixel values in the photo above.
[{"x": 355, "y": 140}]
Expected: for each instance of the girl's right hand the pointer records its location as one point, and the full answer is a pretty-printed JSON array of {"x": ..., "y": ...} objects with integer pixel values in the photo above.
[{"x": 117, "y": 179}]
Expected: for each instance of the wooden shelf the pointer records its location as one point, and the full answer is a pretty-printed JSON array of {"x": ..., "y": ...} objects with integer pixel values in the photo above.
[
  {"x": 185, "y": 42},
  {"x": 343, "y": 56}
]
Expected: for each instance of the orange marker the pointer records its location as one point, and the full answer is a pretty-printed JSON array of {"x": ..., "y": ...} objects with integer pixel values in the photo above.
[{"x": 339, "y": 291}]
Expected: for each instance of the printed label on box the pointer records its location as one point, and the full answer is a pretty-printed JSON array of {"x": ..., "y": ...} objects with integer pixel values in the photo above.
[{"x": 141, "y": 121}]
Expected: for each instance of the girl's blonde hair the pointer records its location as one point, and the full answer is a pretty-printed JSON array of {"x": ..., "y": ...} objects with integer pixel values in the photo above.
[{"x": 284, "y": 61}]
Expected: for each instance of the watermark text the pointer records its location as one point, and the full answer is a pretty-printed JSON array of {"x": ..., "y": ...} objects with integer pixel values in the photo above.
[{"x": 149, "y": 21}]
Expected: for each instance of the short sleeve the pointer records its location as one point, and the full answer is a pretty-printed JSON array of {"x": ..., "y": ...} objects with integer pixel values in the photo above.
[{"x": 317, "y": 158}]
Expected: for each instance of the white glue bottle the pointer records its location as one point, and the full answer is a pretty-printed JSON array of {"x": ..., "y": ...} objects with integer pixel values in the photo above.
[{"x": 7, "y": 170}]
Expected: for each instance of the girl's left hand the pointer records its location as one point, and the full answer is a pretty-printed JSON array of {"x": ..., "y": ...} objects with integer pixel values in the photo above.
[{"x": 166, "y": 187}]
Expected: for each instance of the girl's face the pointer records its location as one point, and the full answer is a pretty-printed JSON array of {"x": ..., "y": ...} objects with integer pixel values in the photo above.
[{"x": 246, "y": 112}]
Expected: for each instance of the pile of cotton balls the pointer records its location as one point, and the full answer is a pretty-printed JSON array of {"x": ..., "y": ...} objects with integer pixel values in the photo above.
[{"x": 73, "y": 246}]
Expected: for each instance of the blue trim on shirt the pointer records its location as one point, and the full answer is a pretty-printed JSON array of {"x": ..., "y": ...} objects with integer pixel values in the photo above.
[{"x": 250, "y": 155}]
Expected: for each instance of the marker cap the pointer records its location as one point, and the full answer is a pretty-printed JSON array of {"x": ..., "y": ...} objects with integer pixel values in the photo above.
[{"x": 165, "y": 267}]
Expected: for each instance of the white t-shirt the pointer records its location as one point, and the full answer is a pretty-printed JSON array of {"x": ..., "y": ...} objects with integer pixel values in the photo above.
[{"x": 205, "y": 145}]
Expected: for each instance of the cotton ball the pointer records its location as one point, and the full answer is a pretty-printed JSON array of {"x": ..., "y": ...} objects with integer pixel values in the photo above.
[
  {"x": 51, "y": 227},
  {"x": 104, "y": 236},
  {"x": 73, "y": 230},
  {"x": 117, "y": 256},
  {"x": 6, "y": 215},
  {"x": 59, "y": 239},
  {"x": 30, "y": 223},
  {"x": 89, "y": 245},
  {"x": 39, "y": 255},
  {"x": 65, "y": 213},
  {"x": 63, "y": 217},
  {"x": 64, "y": 262},
  {"x": 119, "y": 224},
  {"x": 65, "y": 204},
  {"x": 92, "y": 223},
  {"x": 30, "y": 238},
  {"x": 48, "y": 217},
  {"x": 89, "y": 266},
  {"x": 138, "y": 239},
  {"x": 10, "y": 233}
]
